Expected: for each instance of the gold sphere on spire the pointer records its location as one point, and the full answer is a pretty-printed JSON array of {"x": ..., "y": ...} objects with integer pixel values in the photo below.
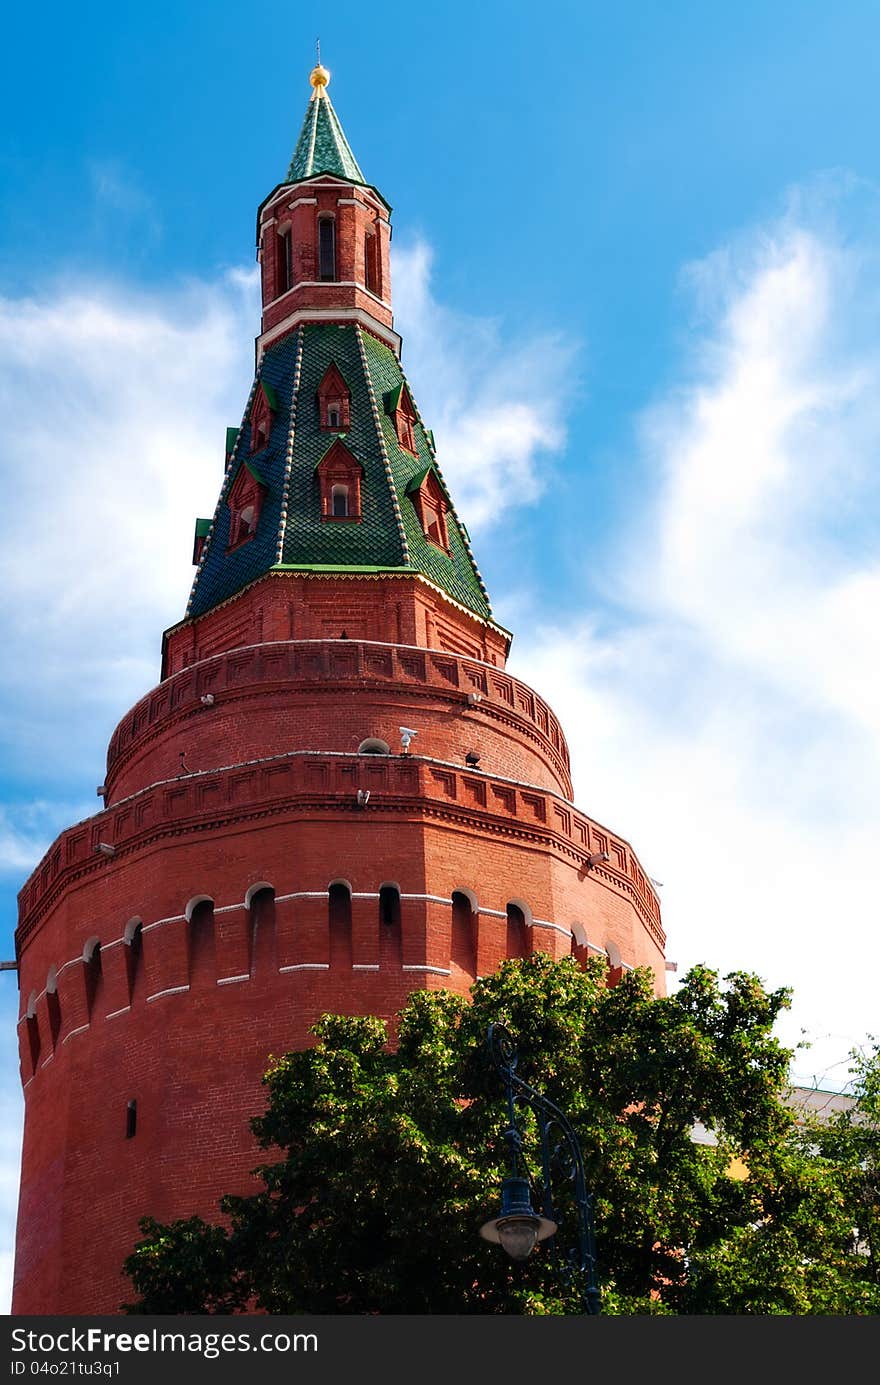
[{"x": 319, "y": 77}]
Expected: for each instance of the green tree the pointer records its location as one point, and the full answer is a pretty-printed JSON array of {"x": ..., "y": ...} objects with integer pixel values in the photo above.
[{"x": 389, "y": 1156}]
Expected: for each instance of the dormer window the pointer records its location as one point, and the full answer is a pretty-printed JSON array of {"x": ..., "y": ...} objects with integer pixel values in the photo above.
[
  {"x": 245, "y": 500},
  {"x": 263, "y": 411},
  {"x": 399, "y": 406},
  {"x": 327, "y": 248},
  {"x": 406, "y": 433},
  {"x": 431, "y": 506},
  {"x": 339, "y": 477},
  {"x": 334, "y": 401}
]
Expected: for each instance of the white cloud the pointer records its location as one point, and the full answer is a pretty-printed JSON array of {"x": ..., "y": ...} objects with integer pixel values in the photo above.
[
  {"x": 730, "y": 725},
  {"x": 26, "y": 830},
  {"x": 118, "y": 402},
  {"x": 497, "y": 406}
]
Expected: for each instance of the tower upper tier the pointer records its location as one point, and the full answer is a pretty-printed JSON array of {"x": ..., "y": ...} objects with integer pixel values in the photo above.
[
  {"x": 323, "y": 235},
  {"x": 333, "y": 472}
]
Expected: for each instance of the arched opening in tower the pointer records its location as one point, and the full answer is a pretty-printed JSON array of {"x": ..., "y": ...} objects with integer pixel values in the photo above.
[
  {"x": 264, "y": 960},
  {"x": 201, "y": 945},
  {"x": 390, "y": 934},
  {"x": 464, "y": 935},
  {"x": 518, "y": 942},
  {"x": 133, "y": 939},
  {"x": 94, "y": 975},
  {"x": 339, "y": 920}
]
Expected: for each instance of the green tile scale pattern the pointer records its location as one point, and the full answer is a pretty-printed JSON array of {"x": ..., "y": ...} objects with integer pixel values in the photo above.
[
  {"x": 291, "y": 534},
  {"x": 322, "y": 146}
]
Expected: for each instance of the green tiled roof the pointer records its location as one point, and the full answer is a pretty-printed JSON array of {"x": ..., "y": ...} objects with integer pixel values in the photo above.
[
  {"x": 291, "y": 533},
  {"x": 322, "y": 146}
]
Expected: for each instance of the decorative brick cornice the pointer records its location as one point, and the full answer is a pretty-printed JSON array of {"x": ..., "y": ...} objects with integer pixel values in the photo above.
[
  {"x": 407, "y": 787},
  {"x": 317, "y": 666}
]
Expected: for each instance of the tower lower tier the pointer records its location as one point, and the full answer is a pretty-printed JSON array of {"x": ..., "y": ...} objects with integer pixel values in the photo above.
[{"x": 171, "y": 944}]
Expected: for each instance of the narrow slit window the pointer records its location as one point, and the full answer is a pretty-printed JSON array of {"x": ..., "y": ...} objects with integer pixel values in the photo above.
[
  {"x": 131, "y": 1119},
  {"x": 371, "y": 267},
  {"x": 389, "y": 906},
  {"x": 390, "y": 936},
  {"x": 340, "y": 502},
  {"x": 134, "y": 961},
  {"x": 464, "y": 935},
  {"x": 339, "y": 911},
  {"x": 327, "y": 248},
  {"x": 285, "y": 265}
]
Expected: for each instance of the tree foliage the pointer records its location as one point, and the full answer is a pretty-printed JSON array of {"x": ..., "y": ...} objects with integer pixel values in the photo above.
[{"x": 387, "y": 1157}]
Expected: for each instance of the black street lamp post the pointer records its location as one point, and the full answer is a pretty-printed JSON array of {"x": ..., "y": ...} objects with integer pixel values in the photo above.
[{"x": 518, "y": 1228}]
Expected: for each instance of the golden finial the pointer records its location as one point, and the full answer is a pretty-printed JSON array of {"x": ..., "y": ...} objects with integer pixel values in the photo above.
[{"x": 319, "y": 76}]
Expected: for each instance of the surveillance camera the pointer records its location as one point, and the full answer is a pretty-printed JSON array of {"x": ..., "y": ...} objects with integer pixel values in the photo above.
[
  {"x": 106, "y": 849},
  {"x": 101, "y": 790},
  {"x": 207, "y": 699},
  {"x": 363, "y": 797},
  {"x": 406, "y": 731},
  {"x": 473, "y": 698}
]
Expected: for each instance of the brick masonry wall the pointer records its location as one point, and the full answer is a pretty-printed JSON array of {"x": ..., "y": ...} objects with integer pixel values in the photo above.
[
  {"x": 192, "y": 1038},
  {"x": 294, "y": 211},
  {"x": 331, "y": 696},
  {"x": 297, "y": 606},
  {"x": 267, "y": 796}
]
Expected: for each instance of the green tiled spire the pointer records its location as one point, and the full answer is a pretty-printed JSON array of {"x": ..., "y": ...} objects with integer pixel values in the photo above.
[
  {"x": 292, "y": 534},
  {"x": 322, "y": 146}
]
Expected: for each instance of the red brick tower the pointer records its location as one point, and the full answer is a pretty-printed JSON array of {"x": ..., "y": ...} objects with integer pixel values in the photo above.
[{"x": 334, "y": 795}]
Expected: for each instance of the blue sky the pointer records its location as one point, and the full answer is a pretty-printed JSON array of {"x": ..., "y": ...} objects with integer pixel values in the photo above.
[{"x": 637, "y": 270}]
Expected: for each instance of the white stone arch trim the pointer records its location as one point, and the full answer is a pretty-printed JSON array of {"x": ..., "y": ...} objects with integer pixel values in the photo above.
[
  {"x": 52, "y": 980},
  {"x": 374, "y": 745},
  {"x": 523, "y": 908},
  {"x": 469, "y": 895},
  {"x": 194, "y": 903},
  {"x": 90, "y": 947},
  {"x": 130, "y": 929},
  {"x": 612, "y": 952},
  {"x": 255, "y": 890},
  {"x": 31, "y": 1011}
]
